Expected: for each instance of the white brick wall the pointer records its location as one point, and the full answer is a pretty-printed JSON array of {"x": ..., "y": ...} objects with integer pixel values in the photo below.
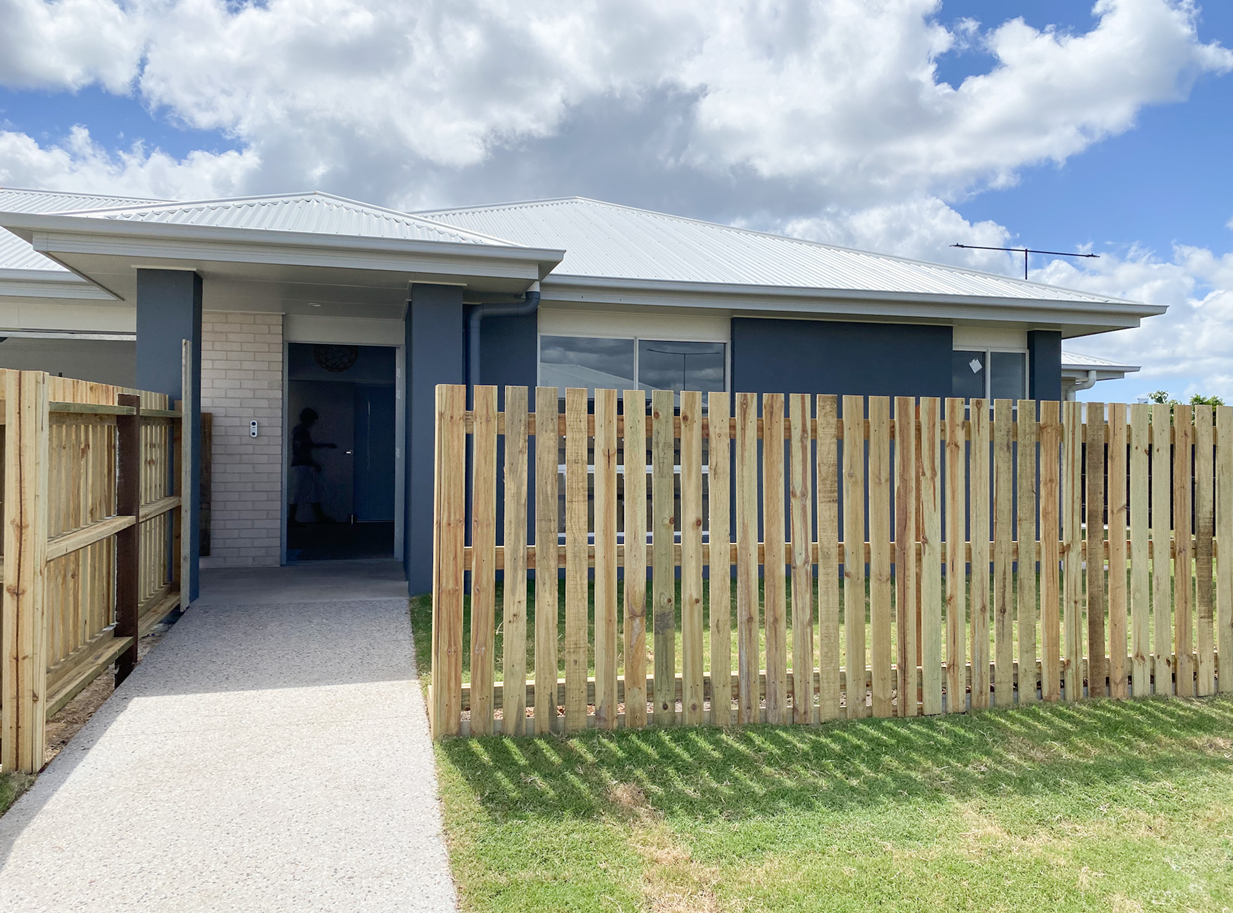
[{"x": 242, "y": 380}]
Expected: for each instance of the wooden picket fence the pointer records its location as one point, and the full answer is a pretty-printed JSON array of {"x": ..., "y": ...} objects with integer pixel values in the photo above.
[
  {"x": 93, "y": 556},
  {"x": 1121, "y": 583}
]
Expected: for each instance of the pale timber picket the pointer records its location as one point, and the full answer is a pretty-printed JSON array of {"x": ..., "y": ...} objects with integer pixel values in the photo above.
[{"x": 813, "y": 557}]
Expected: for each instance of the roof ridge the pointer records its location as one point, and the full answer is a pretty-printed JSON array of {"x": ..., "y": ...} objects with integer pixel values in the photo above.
[{"x": 82, "y": 193}]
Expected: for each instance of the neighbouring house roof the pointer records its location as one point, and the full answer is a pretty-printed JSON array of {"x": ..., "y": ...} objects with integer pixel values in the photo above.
[
  {"x": 607, "y": 241},
  {"x": 16, "y": 254},
  {"x": 1074, "y": 361}
]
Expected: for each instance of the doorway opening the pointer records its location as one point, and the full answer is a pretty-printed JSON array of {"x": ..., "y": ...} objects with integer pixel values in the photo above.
[{"x": 342, "y": 451}]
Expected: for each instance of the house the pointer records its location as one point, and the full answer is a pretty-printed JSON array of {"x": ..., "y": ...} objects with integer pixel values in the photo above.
[
  {"x": 1082, "y": 372},
  {"x": 375, "y": 307}
]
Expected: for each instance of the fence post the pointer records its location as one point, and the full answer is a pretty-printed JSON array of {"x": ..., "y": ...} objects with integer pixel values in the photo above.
[
  {"x": 449, "y": 523},
  {"x": 23, "y": 640},
  {"x": 188, "y": 497},
  {"x": 176, "y": 443},
  {"x": 128, "y": 541}
]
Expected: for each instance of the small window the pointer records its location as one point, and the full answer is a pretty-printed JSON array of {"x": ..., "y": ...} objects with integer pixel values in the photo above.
[
  {"x": 967, "y": 374},
  {"x": 988, "y": 374},
  {"x": 1007, "y": 375}
]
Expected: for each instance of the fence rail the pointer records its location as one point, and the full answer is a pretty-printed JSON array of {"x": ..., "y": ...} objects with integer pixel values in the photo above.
[
  {"x": 976, "y": 579},
  {"x": 92, "y": 542}
]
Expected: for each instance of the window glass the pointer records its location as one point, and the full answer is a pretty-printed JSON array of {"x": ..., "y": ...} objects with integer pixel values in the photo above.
[
  {"x": 1007, "y": 372},
  {"x": 583, "y": 361},
  {"x": 967, "y": 374},
  {"x": 680, "y": 366}
]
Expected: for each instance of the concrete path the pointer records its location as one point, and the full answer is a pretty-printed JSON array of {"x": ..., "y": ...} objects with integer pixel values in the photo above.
[{"x": 271, "y": 753}]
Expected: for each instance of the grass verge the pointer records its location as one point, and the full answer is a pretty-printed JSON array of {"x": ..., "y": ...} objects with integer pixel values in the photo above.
[
  {"x": 1096, "y": 806},
  {"x": 12, "y": 785}
]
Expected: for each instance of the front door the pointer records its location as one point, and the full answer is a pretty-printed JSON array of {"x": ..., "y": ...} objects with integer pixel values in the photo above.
[{"x": 341, "y": 417}]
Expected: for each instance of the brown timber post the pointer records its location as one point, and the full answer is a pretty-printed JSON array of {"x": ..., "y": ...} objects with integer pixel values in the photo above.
[
  {"x": 128, "y": 541},
  {"x": 176, "y": 443},
  {"x": 23, "y": 647},
  {"x": 188, "y": 497}
]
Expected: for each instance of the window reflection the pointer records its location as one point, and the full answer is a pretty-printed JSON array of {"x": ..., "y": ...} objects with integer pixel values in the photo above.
[
  {"x": 967, "y": 374},
  {"x": 584, "y": 361},
  {"x": 1007, "y": 373},
  {"x": 678, "y": 366}
]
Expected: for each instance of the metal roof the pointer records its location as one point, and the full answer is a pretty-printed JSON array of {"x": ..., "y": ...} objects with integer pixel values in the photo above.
[
  {"x": 18, "y": 254},
  {"x": 1075, "y": 361},
  {"x": 607, "y": 241},
  {"x": 313, "y": 213}
]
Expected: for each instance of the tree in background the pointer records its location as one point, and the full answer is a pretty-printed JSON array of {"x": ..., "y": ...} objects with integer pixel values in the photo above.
[{"x": 1162, "y": 397}]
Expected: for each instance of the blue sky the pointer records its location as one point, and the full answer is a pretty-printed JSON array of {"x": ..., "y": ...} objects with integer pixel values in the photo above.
[{"x": 1085, "y": 125}]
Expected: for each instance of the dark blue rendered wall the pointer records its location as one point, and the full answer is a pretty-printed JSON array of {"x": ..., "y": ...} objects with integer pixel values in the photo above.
[
  {"x": 1044, "y": 364},
  {"x": 168, "y": 312},
  {"x": 435, "y": 355},
  {"x": 509, "y": 354},
  {"x": 509, "y": 357},
  {"x": 817, "y": 356}
]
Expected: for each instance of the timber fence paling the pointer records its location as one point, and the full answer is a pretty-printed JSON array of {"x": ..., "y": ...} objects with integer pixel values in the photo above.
[
  {"x": 790, "y": 516},
  {"x": 84, "y": 484}
]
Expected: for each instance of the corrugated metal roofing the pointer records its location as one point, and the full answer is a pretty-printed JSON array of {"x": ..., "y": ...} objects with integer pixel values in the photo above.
[
  {"x": 16, "y": 253},
  {"x": 316, "y": 213},
  {"x": 1075, "y": 360},
  {"x": 604, "y": 240}
]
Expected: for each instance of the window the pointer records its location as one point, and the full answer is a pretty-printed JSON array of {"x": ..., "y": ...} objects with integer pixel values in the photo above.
[
  {"x": 584, "y": 361},
  {"x": 628, "y": 363},
  {"x": 988, "y": 374}
]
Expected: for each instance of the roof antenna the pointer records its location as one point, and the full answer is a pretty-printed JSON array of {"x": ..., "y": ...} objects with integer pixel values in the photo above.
[{"x": 1025, "y": 251}]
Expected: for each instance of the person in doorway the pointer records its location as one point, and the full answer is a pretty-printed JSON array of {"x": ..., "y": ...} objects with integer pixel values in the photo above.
[{"x": 306, "y": 485}]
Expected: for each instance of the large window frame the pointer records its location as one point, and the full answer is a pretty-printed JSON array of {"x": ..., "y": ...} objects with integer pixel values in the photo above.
[
  {"x": 637, "y": 339},
  {"x": 987, "y": 352}
]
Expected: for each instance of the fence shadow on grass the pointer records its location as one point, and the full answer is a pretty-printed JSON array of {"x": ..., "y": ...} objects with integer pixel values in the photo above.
[{"x": 760, "y": 770}]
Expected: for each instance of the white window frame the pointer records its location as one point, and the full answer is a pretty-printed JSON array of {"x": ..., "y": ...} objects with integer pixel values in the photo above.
[{"x": 988, "y": 351}]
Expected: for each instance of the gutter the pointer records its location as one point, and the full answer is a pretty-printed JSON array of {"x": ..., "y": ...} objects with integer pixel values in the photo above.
[{"x": 529, "y": 305}]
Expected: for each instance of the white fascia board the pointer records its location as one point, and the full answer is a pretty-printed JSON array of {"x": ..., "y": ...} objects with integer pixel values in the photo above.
[
  {"x": 850, "y": 303},
  {"x": 252, "y": 251},
  {"x": 50, "y": 234},
  {"x": 40, "y": 315},
  {"x": 1104, "y": 372}
]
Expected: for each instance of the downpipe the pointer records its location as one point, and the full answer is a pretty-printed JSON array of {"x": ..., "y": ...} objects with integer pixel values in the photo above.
[{"x": 529, "y": 305}]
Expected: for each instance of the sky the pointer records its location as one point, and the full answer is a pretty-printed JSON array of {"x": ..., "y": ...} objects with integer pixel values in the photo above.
[{"x": 901, "y": 126}]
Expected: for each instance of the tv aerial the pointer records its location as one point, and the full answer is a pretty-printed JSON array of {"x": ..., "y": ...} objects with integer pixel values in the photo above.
[{"x": 1025, "y": 251}]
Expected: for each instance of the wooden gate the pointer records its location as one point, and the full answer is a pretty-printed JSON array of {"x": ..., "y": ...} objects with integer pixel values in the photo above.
[
  {"x": 93, "y": 556},
  {"x": 782, "y": 559}
]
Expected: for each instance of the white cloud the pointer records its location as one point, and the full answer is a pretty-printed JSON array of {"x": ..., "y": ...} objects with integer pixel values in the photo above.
[
  {"x": 67, "y": 44},
  {"x": 921, "y": 228},
  {"x": 80, "y": 164},
  {"x": 1187, "y": 350}
]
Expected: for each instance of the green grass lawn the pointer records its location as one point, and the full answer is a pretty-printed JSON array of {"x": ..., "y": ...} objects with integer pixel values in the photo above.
[
  {"x": 1095, "y": 806},
  {"x": 12, "y": 786}
]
